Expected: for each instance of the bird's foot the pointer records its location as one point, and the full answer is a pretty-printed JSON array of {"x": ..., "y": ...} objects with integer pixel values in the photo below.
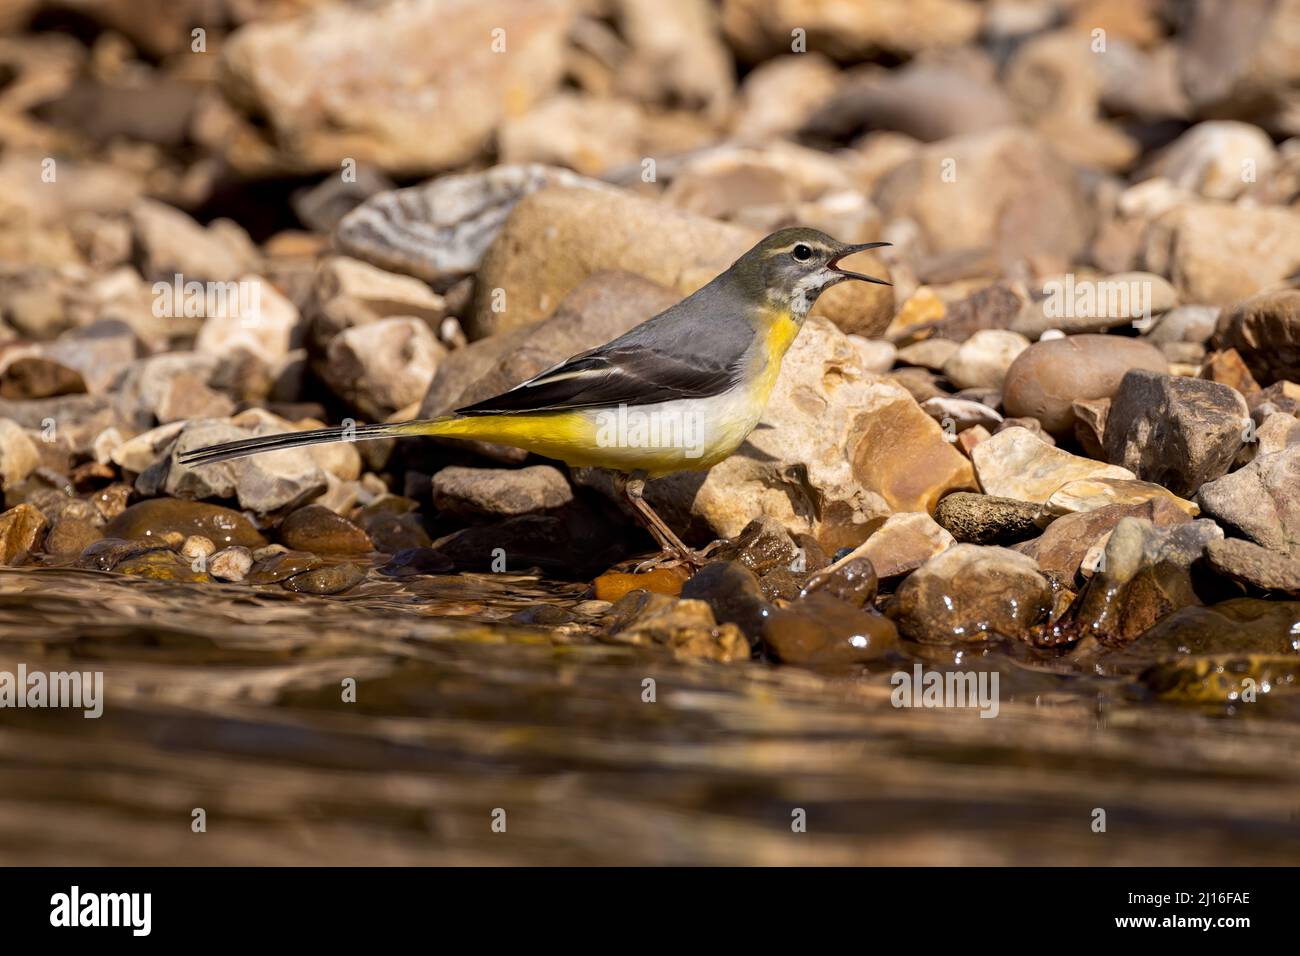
[{"x": 692, "y": 558}]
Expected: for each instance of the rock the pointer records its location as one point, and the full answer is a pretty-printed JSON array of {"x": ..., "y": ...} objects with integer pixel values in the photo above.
[
  {"x": 34, "y": 376},
  {"x": 675, "y": 56},
  {"x": 971, "y": 593},
  {"x": 1255, "y": 566},
  {"x": 877, "y": 355},
  {"x": 1218, "y": 254},
  {"x": 1177, "y": 432},
  {"x": 21, "y": 532},
  {"x": 1087, "y": 494},
  {"x": 1226, "y": 368},
  {"x": 1048, "y": 377},
  {"x": 1211, "y": 158},
  {"x": 1095, "y": 305},
  {"x": 1063, "y": 545},
  {"x": 612, "y": 586},
  {"x": 500, "y": 491},
  {"x": 555, "y": 238},
  {"x": 349, "y": 293},
  {"x": 162, "y": 565},
  {"x": 151, "y": 520},
  {"x": 983, "y": 359},
  {"x": 412, "y": 562},
  {"x": 1145, "y": 574},
  {"x": 920, "y": 383},
  {"x": 570, "y": 545},
  {"x": 279, "y": 566},
  {"x": 335, "y": 82},
  {"x": 1225, "y": 680},
  {"x": 960, "y": 414},
  {"x": 197, "y": 546},
  {"x": 686, "y": 628},
  {"x": 231, "y": 564},
  {"x": 929, "y": 353},
  {"x": 1186, "y": 323},
  {"x": 320, "y": 208},
  {"x": 1016, "y": 464},
  {"x": 598, "y": 135},
  {"x": 986, "y": 519},
  {"x": 836, "y": 450},
  {"x": 1007, "y": 191},
  {"x": 266, "y": 332},
  {"x": 383, "y": 366},
  {"x": 333, "y": 579},
  {"x": 1236, "y": 61},
  {"x": 847, "y": 30},
  {"x": 262, "y": 483},
  {"x": 1090, "y": 425},
  {"x": 395, "y": 527},
  {"x": 902, "y": 544},
  {"x": 1265, "y": 331},
  {"x": 733, "y": 594},
  {"x": 821, "y": 631},
  {"x": 439, "y": 231},
  {"x": 850, "y": 580},
  {"x": 70, "y": 535},
  {"x": 18, "y": 454},
  {"x": 992, "y": 307},
  {"x": 1261, "y": 500},
  {"x": 319, "y": 530},
  {"x": 927, "y": 100},
  {"x": 778, "y": 95},
  {"x": 763, "y": 545},
  {"x": 172, "y": 244},
  {"x": 98, "y": 352},
  {"x": 1240, "y": 626}
]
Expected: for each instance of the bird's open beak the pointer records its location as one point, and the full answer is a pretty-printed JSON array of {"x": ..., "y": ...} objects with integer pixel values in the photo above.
[{"x": 834, "y": 264}]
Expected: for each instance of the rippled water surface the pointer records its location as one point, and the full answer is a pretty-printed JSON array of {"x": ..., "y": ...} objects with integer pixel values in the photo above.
[{"x": 228, "y": 699}]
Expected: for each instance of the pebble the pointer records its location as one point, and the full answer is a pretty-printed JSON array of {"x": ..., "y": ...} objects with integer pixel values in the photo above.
[
  {"x": 150, "y": 520},
  {"x": 231, "y": 564},
  {"x": 987, "y": 519},
  {"x": 315, "y": 528}
]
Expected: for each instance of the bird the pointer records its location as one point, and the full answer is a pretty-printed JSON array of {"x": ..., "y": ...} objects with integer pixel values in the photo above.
[{"x": 679, "y": 392}]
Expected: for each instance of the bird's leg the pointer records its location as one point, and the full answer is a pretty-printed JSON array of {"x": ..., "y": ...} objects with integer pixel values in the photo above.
[{"x": 675, "y": 552}]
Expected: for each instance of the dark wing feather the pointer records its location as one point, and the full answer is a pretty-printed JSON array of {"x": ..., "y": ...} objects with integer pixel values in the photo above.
[
  {"x": 613, "y": 375},
  {"x": 659, "y": 360}
]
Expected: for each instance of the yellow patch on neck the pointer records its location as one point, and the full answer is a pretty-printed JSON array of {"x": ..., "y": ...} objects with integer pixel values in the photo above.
[{"x": 781, "y": 332}]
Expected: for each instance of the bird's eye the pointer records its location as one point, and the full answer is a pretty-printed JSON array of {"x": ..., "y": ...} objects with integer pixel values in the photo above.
[{"x": 802, "y": 253}]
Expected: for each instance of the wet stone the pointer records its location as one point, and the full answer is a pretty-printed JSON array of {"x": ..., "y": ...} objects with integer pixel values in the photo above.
[
  {"x": 328, "y": 580},
  {"x": 687, "y": 628},
  {"x": 612, "y": 585},
  {"x": 279, "y": 567},
  {"x": 822, "y": 631},
  {"x": 318, "y": 529},
  {"x": 411, "y": 562},
  {"x": 162, "y": 565},
  {"x": 231, "y": 564},
  {"x": 762, "y": 546},
  {"x": 543, "y": 615},
  {"x": 21, "y": 531},
  {"x": 106, "y": 553},
  {"x": 852, "y": 580},
  {"x": 153, "y": 518},
  {"x": 972, "y": 593},
  {"x": 1222, "y": 679},
  {"x": 734, "y": 594},
  {"x": 70, "y": 535}
]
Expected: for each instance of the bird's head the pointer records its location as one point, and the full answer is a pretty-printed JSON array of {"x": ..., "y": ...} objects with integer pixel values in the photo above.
[{"x": 792, "y": 267}]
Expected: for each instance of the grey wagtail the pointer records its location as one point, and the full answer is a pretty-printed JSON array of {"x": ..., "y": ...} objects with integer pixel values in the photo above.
[{"x": 681, "y": 391}]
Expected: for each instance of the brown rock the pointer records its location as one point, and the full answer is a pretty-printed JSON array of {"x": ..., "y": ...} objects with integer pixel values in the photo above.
[
  {"x": 316, "y": 528},
  {"x": 1048, "y": 377},
  {"x": 1061, "y": 548},
  {"x": 21, "y": 530},
  {"x": 1265, "y": 331}
]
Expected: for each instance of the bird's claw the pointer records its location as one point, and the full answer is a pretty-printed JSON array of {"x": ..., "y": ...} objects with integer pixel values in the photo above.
[{"x": 693, "y": 558}]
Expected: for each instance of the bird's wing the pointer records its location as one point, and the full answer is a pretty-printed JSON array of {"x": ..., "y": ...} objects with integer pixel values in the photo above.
[{"x": 617, "y": 374}]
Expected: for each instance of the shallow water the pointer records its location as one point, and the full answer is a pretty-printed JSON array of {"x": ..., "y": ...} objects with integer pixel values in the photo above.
[{"x": 228, "y": 699}]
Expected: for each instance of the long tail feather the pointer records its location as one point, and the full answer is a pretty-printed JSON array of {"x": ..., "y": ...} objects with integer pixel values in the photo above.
[{"x": 317, "y": 436}]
